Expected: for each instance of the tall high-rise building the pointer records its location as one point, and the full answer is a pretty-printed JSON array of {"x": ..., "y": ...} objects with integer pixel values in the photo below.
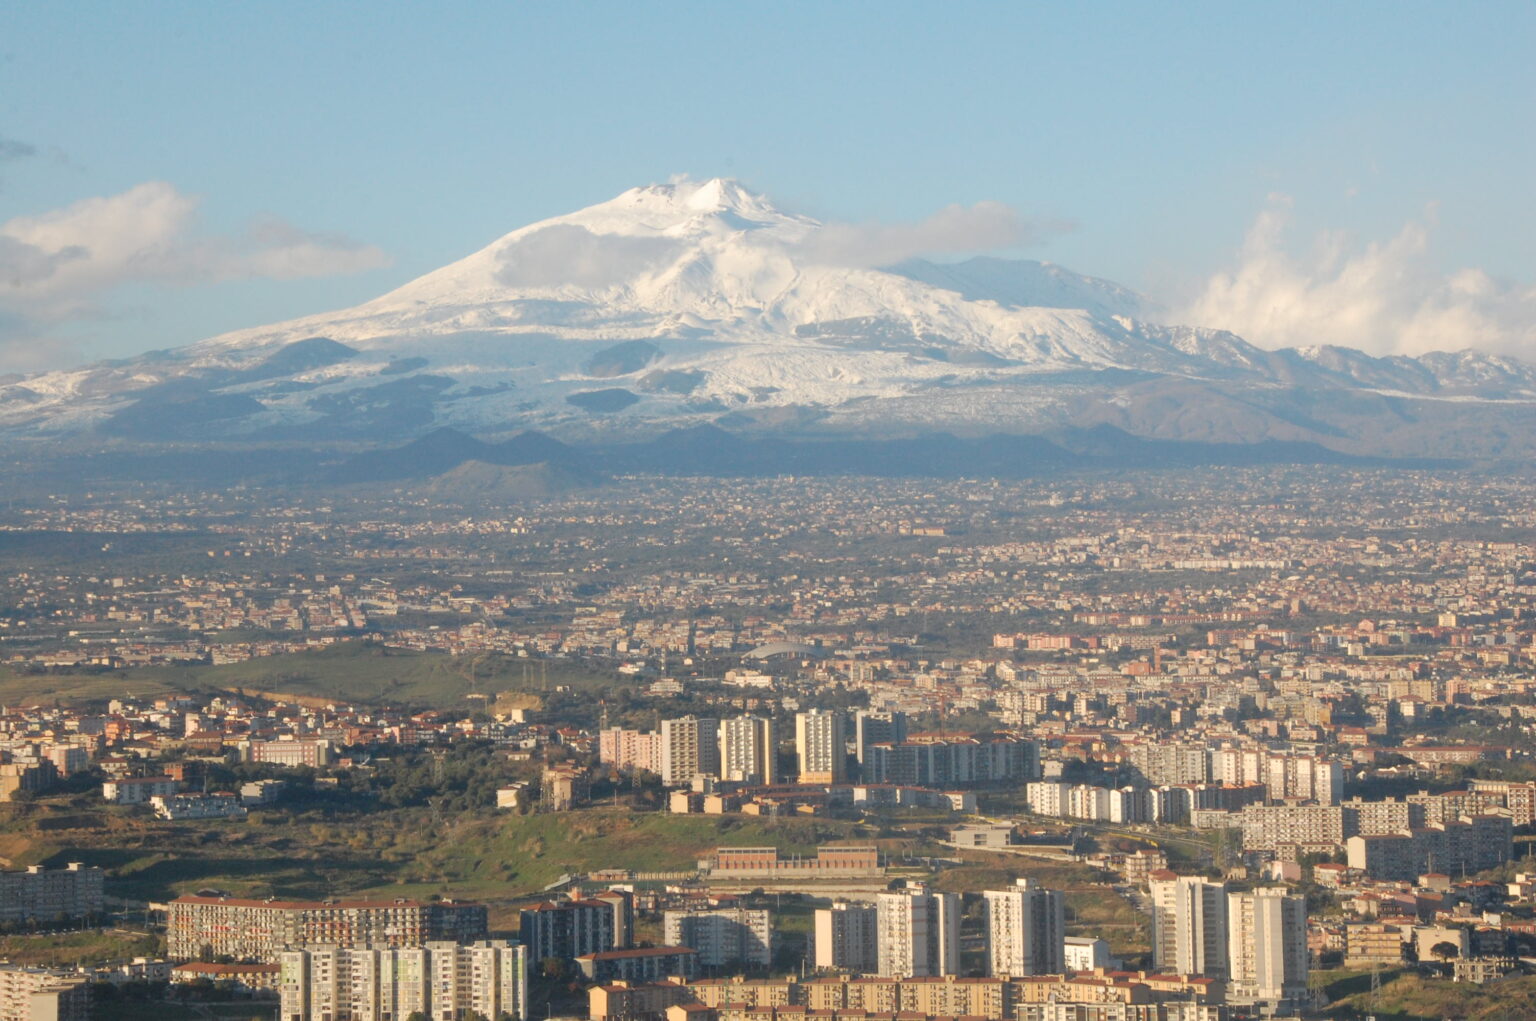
[
  {"x": 1268, "y": 946},
  {"x": 689, "y": 747},
  {"x": 917, "y": 933},
  {"x": 748, "y": 746},
  {"x": 568, "y": 929},
  {"x": 629, "y": 749},
  {"x": 822, "y": 744},
  {"x": 846, "y": 937},
  {"x": 1026, "y": 929},
  {"x": 877, "y": 728},
  {"x": 723, "y": 935},
  {"x": 27, "y": 993},
  {"x": 438, "y": 980},
  {"x": 1189, "y": 925}
]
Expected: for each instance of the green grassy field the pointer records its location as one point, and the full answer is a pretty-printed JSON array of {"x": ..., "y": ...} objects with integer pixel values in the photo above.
[
  {"x": 170, "y": 1010},
  {"x": 406, "y": 852},
  {"x": 348, "y": 671},
  {"x": 89, "y": 946},
  {"x": 1108, "y": 916},
  {"x": 496, "y": 857}
]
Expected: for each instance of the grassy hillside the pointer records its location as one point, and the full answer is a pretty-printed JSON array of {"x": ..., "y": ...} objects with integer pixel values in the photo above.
[
  {"x": 89, "y": 946},
  {"x": 20, "y": 688},
  {"x": 1406, "y": 996}
]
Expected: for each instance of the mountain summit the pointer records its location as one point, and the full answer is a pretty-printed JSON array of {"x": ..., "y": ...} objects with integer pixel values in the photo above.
[{"x": 679, "y": 304}]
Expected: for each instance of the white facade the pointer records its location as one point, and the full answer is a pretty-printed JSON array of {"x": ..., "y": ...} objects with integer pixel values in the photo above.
[
  {"x": 748, "y": 748},
  {"x": 1025, "y": 929},
  {"x": 821, "y": 742},
  {"x": 846, "y": 938},
  {"x": 198, "y": 806},
  {"x": 42, "y": 994},
  {"x": 441, "y": 980},
  {"x": 1268, "y": 946},
  {"x": 876, "y": 728},
  {"x": 138, "y": 790},
  {"x": 50, "y": 895},
  {"x": 1129, "y": 805},
  {"x": 689, "y": 747},
  {"x": 1046, "y": 797},
  {"x": 917, "y": 933},
  {"x": 1084, "y": 953},
  {"x": 1283, "y": 776},
  {"x": 722, "y": 936},
  {"x": 1189, "y": 926}
]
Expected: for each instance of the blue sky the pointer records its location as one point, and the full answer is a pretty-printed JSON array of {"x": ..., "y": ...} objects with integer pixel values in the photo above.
[{"x": 294, "y": 157}]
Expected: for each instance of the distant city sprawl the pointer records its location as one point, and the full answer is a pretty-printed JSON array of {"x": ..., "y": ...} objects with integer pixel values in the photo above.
[{"x": 1172, "y": 746}]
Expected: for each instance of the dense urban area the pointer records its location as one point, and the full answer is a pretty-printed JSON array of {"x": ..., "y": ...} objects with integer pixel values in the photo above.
[{"x": 1194, "y": 745}]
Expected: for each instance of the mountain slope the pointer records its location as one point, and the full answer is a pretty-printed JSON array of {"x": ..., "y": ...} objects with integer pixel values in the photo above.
[{"x": 688, "y": 303}]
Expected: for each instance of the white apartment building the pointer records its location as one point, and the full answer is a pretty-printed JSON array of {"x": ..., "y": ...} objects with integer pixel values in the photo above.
[
  {"x": 1085, "y": 953},
  {"x": 198, "y": 806},
  {"x": 688, "y": 747},
  {"x": 1046, "y": 797},
  {"x": 441, "y": 980},
  {"x": 1189, "y": 925},
  {"x": 1295, "y": 776},
  {"x": 870, "y": 728},
  {"x": 137, "y": 790},
  {"x": 846, "y": 938},
  {"x": 1266, "y": 827},
  {"x": 722, "y": 936},
  {"x": 1283, "y": 775},
  {"x": 1268, "y": 947},
  {"x": 1087, "y": 802},
  {"x": 1026, "y": 926},
  {"x": 821, "y": 741},
  {"x": 49, "y": 895},
  {"x": 917, "y": 933},
  {"x": 1128, "y": 804},
  {"x": 748, "y": 748},
  {"x": 42, "y": 994}
]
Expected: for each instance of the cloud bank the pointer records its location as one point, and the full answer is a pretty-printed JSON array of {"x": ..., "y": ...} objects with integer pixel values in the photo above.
[
  {"x": 565, "y": 253},
  {"x": 1385, "y": 298},
  {"x": 568, "y": 254},
  {"x": 61, "y": 265},
  {"x": 955, "y": 229}
]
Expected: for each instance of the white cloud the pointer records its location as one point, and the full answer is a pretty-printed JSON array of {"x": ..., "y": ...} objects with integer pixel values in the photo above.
[
  {"x": 62, "y": 265},
  {"x": 570, "y": 254},
  {"x": 149, "y": 234},
  {"x": 955, "y": 229},
  {"x": 1385, "y": 298},
  {"x": 565, "y": 253}
]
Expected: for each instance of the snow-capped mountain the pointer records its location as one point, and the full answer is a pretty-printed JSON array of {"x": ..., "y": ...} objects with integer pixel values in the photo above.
[{"x": 699, "y": 302}]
